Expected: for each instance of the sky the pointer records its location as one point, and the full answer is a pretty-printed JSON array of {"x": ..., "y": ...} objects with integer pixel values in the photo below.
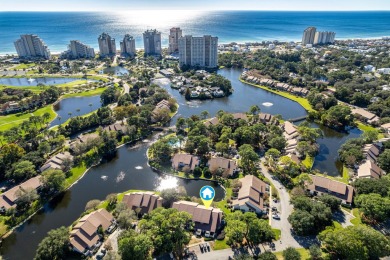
[{"x": 124, "y": 5}]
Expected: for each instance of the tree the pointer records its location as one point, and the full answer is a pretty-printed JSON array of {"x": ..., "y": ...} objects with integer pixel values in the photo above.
[
  {"x": 167, "y": 228},
  {"x": 374, "y": 206},
  {"x": 331, "y": 201},
  {"x": 161, "y": 151},
  {"x": 11, "y": 153},
  {"x": 22, "y": 170},
  {"x": 169, "y": 196},
  {"x": 278, "y": 142},
  {"x": 302, "y": 222},
  {"x": 355, "y": 242},
  {"x": 92, "y": 204},
  {"x": 291, "y": 253},
  {"x": 254, "y": 109},
  {"x": 248, "y": 158},
  {"x": 109, "y": 95},
  {"x": 315, "y": 252},
  {"x": 126, "y": 218},
  {"x": 54, "y": 246},
  {"x": 338, "y": 116},
  {"x": 267, "y": 256},
  {"x": 25, "y": 197},
  {"x": 53, "y": 180},
  {"x": 366, "y": 186},
  {"x": 132, "y": 245},
  {"x": 222, "y": 147},
  {"x": 204, "y": 114},
  {"x": 384, "y": 160}
]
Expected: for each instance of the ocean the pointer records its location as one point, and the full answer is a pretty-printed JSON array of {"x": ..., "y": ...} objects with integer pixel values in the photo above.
[{"x": 58, "y": 28}]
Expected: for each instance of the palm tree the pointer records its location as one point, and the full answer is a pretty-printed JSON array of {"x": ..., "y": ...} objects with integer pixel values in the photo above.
[
  {"x": 59, "y": 119},
  {"x": 46, "y": 117}
]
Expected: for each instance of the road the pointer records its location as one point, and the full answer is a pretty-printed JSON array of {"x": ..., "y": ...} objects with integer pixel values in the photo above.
[{"x": 285, "y": 208}]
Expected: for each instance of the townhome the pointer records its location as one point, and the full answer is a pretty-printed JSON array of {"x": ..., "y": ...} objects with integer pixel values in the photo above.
[
  {"x": 181, "y": 160},
  {"x": 57, "y": 161},
  {"x": 228, "y": 167},
  {"x": 142, "y": 202}
]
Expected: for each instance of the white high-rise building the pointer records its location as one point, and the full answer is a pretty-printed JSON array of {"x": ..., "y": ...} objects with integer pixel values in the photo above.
[
  {"x": 31, "y": 46},
  {"x": 324, "y": 37},
  {"x": 80, "y": 50},
  {"x": 106, "y": 45},
  {"x": 198, "y": 51},
  {"x": 152, "y": 42},
  {"x": 128, "y": 45},
  {"x": 308, "y": 35},
  {"x": 174, "y": 34}
]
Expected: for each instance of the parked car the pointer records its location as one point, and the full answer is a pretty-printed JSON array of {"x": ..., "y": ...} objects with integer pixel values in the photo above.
[
  {"x": 276, "y": 216},
  {"x": 274, "y": 209},
  {"x": 198, "y": 232},
  {"x": 207, "y": 234}
]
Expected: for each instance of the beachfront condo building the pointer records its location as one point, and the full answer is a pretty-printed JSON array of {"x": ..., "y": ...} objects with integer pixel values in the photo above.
[
  {"x": 308, "y": 35},
  {"x": 77, "y": 50},
  {"x": 324, "y": 37},
  {"x": 31, "y": 46},
  {"x": 174, "y": 34},
  {"x": 198, "y": 51},
  {"x": 152, "y": 43},
  {"x": 107, "y": 45},
  {"x": 128, "y": 46}
]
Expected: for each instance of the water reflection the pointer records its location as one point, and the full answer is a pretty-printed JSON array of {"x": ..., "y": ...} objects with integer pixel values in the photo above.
[{"x": 167, "y": 182}]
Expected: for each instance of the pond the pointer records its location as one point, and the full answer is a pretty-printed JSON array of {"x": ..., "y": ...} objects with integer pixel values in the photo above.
[
  {"x": 327, "y": 160},
  {"x": 28, "y": 82},
  {"x": 117, "y": 71},
  {"x": 72, "y": 105},
  {"x": 129, "y": 170}
]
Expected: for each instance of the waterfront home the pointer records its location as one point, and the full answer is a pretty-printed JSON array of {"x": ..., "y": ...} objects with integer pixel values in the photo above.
[
  {"x": 9, "y": 198},
  {"x": 365, "y": 116},
  {"x": 226, "y": 166},
  {"x": 10, "y": 107},
  {"x": 372, "y": 151},
  {"x": 163, "y": 104},
  {"x": 291, "y": 135},
  {"x": 115, "y": 127},
  {"x": 369, "y": 169},
  {"x": 251, "y": 195},
  {"x": 181, "y": 160},
  {"x": 321, "y": 185},
  {"x": 242, "y": 116},
  {"x": 211, "y": 121},
  {"x": 266, "y": 118},
  {"x": 167, "y": 73},
  {"x": 205, "y": 219},
  {"x": 57, "y": 161},
  {"x": 144, "y": 202},
  {"x": 85, "y": 237}
]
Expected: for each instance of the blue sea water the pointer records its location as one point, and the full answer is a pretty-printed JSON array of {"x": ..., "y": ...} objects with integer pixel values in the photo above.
[{"x": 58, "y": 28}]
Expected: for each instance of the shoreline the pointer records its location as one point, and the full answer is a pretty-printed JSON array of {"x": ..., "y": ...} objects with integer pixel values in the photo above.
[{"x": 240, "y": 42}]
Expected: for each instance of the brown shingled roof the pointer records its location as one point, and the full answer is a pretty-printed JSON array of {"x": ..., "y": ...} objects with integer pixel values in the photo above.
[
  {"x": 335, "y": 188},
  {"x": 146, "y": 201}
]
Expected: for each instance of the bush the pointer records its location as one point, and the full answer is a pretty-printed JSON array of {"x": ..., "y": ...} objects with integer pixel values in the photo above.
[{"x": 221, "y": 236}]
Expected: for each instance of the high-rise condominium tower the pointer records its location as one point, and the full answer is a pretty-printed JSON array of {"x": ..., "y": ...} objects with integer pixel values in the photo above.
[
  {"x": 152, "y": 42},
  {"x": 106, "y": 45},
  {"x": 198, "y": 51},
  {"x": 31, "y": 46},
  {"x": 80, "y": 50},
  {"x": 174, "y": 34},
  {"x": 128, "y": 45},
  {"x": 308, "y": 35}
]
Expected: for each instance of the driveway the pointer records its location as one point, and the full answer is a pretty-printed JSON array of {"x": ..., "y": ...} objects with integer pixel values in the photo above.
[{"x": 285, "y": 208}]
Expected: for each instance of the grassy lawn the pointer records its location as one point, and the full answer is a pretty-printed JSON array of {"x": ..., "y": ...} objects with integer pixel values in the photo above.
[
  {"x": 34, "y": 89},
  {"x": 93, "y": 92},
  {"x": 302, "y": 251},
  {"x": 9, "y": 121},
  {"x": 220, "y": 244},
  {"x": 24, "y": 66},
  {"x": 365, "y": 128},
  {"x": 73, "y": 83},
  {"x": 308, "y": 162},
  {"x": 302, "y": 101},
  {"x": 222, "y": 204},
  {"x": 357, "y": 220},
  {"x": 277, "y": 233},
  {"x": 76, "y": 174},
  {"x": 345, "y": 174},
  {"x": 3, "y": 226}
]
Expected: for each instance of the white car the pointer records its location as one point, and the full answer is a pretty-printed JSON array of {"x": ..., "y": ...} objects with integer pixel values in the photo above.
[
  {"x": 198, "y": 232},
  {"x": 276, "y": 216},
  {"x": 207, "y": 234}
]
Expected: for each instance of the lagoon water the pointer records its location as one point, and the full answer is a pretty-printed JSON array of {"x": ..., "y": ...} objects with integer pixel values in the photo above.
[
  {"x": 30, "y": 82},
  {"x": 58, "y": 28}
]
